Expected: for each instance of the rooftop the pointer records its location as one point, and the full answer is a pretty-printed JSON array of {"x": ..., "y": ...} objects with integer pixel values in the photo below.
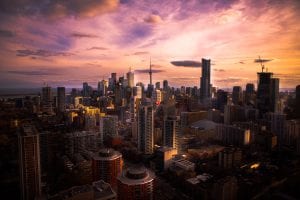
[
  {"x": 103, "y": 189},
  {"x": 107, "y": 154},
  {"x": 136, "y": 175}
]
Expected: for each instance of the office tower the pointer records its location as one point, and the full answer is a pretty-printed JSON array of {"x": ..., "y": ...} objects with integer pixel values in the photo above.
[
  {"x": 85, "y": 89},
  {"x": 145, "y": 128},
  {"x": 102, "y": 87},
  {"x": 237, "y": 95},
  {"x": 112, "y": 81},
  {"x": 106, "y": 165},
  {"x": 122, "y": 81},
  {"x": 267, "y": 92},
  {"x": 137, "y": 92},
  {"x": 171, "y": 132},
  {"x": 156, "y": 96},
  {"x": 195, "y": 91},
  {"x": 205, "y": 92},
  {"x": 249, "y": 94},
  {"x": 135, "y": 184},
  {"x": 143, "y": 88},
  {"x": 61, "y": 99},
  {"x": 130, "y": 79},
  {"x": 29, "y": 159},
  {"x": 165, "y": 85},
  {"x": 221, "y": 99},
  {"x": 157, "y": 85},
  {"x": 250, "y": 88},
  {"x": 47, "y": 100},
  {"x": 297, "y": 106}
]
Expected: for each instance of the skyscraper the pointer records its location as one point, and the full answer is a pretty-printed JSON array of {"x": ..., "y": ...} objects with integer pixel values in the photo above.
[
  {"x": 171, "y": 132},
  {"x": 156, "y": 96},
  {"x": 250, "y": 88},
  {"x": 137, "y": 92},
  {"x": 136, "y": 183},
  {"x": 267, "y": 92},
  {"x": 102, "y": 87},
  {"x": 47, "y": 100},
  {"x": 165, "y": 85},
  {"x": 29, "y": 158},
  {"x": 297, "y": 106},
  {"x": 130, "y": 79},
  {"x": 145, "y": 128},
  {"x": 112, "y": 81},
  {"x": 157, "y": 85},
  {"x": 237, "y": 94},
  {"x": 250, "y": 93},
  {"x": 61, "y": 99},
  {"x": 205, "y": 92}
]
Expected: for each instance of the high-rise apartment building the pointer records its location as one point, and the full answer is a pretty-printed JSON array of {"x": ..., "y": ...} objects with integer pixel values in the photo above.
[
  {"x": 205, "y": 92},
  {"x": 106, "y": 165},
  {"x": 135, "y": 184},
  {"x": 29, "y": 158},
  {"x": 171, "y": 132},
  {"x": 145, "y": 128}
]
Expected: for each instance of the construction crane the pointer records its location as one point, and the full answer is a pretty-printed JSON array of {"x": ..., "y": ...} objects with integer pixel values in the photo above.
[{"x": 261, "y": 64}]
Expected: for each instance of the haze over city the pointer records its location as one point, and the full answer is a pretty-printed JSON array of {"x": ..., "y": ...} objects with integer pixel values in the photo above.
[{"x": 67, "y": 43}]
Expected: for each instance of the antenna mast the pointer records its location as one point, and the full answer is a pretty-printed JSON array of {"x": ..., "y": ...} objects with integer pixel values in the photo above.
[{"x": 150, "y": 72}]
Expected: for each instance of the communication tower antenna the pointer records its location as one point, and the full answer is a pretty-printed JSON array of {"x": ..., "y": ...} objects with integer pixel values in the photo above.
[{"x": 150, "y": 72}]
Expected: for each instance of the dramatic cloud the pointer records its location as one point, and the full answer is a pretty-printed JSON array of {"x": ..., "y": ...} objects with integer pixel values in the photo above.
[
  {"x": 144, "y": 71},
  {"x": 186, "y": 63},
  {"x": 153, "y": 19},
  {"x": 140, "y": 53},
  {"x": 231, "y": 80},
  {"x": 98, "y": 48},
  {"x": 6, "y": 33},
  {"x": 260, "y": 60},
  {"x": 117, "y": 34},
  {"x": 40, "y": 52},
  {"x": 34, "y": 73},
  {"x": 219, "y": 70},
  {"x": 83, "y": 35},
  {"x": 59, "y": 9}
]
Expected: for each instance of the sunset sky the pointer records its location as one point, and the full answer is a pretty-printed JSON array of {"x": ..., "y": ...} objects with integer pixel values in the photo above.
[{"x": 65, "y": 43}]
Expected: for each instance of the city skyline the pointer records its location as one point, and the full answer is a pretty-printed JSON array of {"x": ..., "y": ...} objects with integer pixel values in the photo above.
[{"x": 66, "y": 45}]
